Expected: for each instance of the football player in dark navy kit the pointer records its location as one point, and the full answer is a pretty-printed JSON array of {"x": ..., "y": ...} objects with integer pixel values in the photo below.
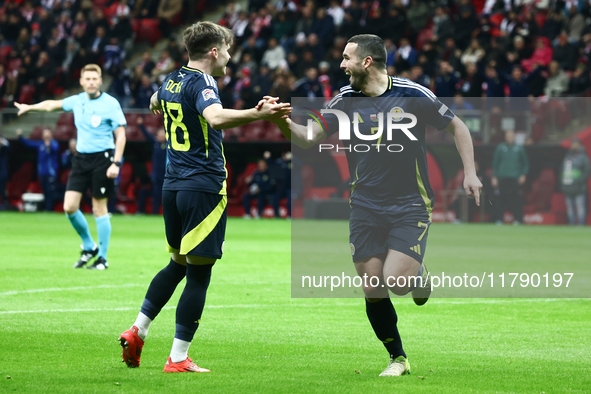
[
  {"x": 194, "y": 194},
  {"x": 391, "y": 198}
]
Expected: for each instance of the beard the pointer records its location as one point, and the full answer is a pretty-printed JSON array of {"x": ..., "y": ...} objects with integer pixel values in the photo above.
[{"x": 358, "y": 80}]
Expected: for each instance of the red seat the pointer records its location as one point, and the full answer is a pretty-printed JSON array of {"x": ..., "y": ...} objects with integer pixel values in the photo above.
[
  {"x": 240, "y": 185},
  {"x": 20, "y": 180},
  {"x": 557, "y": 203},
  {"x": 26, "y": 95},
  {"x": 153, "y": 121},
  {"x": 13, "y": 65},
  {"x": 540, "y": 197},
  {"x": 149, "y": 31}
]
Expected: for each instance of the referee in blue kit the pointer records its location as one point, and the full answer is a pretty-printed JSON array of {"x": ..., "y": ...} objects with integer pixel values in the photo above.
[{"x": 96, "y": 115}]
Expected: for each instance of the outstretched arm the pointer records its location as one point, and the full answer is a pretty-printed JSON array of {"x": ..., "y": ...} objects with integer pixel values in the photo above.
[
  {"x": 45, "y": 106},
  {"x": 27, "y": 142},
  {"x": 221, "y": 118},
  {"x": 472, "y": 184}
]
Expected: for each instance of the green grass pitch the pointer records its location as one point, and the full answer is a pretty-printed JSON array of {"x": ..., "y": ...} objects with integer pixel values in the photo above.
[{"x": 59, "y": 326}]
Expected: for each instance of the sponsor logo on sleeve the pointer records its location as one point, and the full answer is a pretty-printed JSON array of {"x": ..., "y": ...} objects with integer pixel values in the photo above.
[{"x": 208, "y": 94}]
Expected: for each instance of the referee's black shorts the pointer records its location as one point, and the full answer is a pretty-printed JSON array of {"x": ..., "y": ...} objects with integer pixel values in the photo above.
[
  {"x": 90, "y": 170},
  {"x": 195, "y": 222}
]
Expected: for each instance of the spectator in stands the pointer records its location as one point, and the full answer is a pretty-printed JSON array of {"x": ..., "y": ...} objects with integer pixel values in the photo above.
[
  {"x": 325, "y": 87},
  {"x": 241, "y": 28},
  {"x": 46, "y": 70},
  {"x": 4, "y": 149},
  {"x": 473, "y": 54},
  {"x": 510, "y": 167},
  {"x": 97, "y": 19},
  {"x": 97, "y": 45},
  {"x": 418, "y": 14},
  {"x": 580, "y": 81},
  {"x": 147, "y": 64},
  {"x": 406, "y": 54},
  {"x": 145, "y": 91},
  {"x": 260, "y": 187},
  {"x": 471, "y": 83},
  {"x": 68, "y": 155},
  {"x": 445, "y": 83},
  {"x": 113, "y": 54},
  {"x": 575, "y": 174},
  {"x": 557, "y": 82},
  {"x": 47, "y": 163},
  {"x": 575, "y": 25},
  {"x": 565, "y": 53},
  {"x": 158, "y": 165},
  {"x": 495, "y": 84},
  {"x": 308, "y": 86},
  {"x": 460, "y": 103},
  {"x": 124, "y": 32},
  {"x": 542, "y": 55},
  {"x": 323, "y": 27},
  {"x": 273, "y": 55},
  {"x": 262, "y": 82},
  {"x": 466, "y": 24},
  {"x": 442, "y": 25},
  {"x": 167, "y": 11},
  {"x": 164, "y": 66},
  {"x": 247, "y": 61}
]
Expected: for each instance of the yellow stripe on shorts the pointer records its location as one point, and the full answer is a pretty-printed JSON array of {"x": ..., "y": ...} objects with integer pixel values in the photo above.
[{"x": 203, "y": 229}]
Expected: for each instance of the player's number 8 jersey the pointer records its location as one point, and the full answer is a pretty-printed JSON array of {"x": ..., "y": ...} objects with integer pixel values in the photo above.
[{"x": 195, "y": 152}]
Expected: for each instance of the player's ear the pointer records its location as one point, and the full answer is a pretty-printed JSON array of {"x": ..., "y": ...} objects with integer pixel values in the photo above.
[{"x": 214, "y": 52}]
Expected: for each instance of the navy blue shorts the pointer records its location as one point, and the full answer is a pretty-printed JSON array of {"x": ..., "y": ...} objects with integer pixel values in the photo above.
[
  {"x": 372, "y": 233},
  {"x": 195, "y": 222}
]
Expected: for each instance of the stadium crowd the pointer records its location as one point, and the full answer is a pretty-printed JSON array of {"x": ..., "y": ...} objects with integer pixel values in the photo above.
[{"x": 293, "y": 48}]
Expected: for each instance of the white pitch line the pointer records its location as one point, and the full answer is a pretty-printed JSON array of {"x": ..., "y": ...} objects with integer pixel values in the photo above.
[
  {"x": 483, "y": 301},
  {"x": 52, "y": 289}
]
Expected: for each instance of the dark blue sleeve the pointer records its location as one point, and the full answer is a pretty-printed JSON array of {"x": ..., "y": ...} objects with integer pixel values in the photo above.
[
  {"x": 30, "y": 143},
  {"x": 437, "y": 114},
  {"x": 205, "y": 95}
]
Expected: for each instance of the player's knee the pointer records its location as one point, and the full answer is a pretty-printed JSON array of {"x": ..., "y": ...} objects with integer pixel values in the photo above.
[
  {"x": 69, "y": 208},
  {"x": 399, "y": 291},
  {"x": 376, "y": 292}
]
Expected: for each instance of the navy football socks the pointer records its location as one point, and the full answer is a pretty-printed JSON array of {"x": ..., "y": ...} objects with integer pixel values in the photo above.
[
  {"x": 383, "y": 319},
  {"x": 190, "y": 307},
  {"x": 162, "y": 288}
]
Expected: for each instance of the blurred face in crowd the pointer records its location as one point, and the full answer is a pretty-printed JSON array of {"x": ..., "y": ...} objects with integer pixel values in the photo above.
[
  {"x": 510, "y": 137},
  {"x": 262, "y": 165},
  {"x": 47, "y": 134},
  {"x": 352, "y": 65},
  {"x": 554, "y": 68},
  {"x": 91, "y": 82},
  {"x": 459, "y": 100},
  {"x": 491, "y": 72},
  {"x": 516, "y": 74}
]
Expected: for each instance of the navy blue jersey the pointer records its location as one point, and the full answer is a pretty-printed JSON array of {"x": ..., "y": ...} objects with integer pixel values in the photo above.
[
  {"x": 195, "y": 153},
  {"x": 394, "y": 181}
]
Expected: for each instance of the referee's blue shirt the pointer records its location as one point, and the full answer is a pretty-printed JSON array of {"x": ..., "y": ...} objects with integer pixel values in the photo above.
[{"x": 95, "y": 120}]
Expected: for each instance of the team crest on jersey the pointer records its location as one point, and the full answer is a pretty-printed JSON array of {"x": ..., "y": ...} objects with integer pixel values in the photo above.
[
  {"x": 95, "y": 120},
  {"x": 208, "y": 94},
  {"x": 352, "y": 249},
  {"x": 397, "y": 110}
]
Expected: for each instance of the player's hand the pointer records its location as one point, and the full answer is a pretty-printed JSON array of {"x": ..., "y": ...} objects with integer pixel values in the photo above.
[
  {"x": 22, "y": 108},
  {"x": 155, "y": 107},
  {"x": 271, "y": 111},
  {"x": 473, "y": 187},
  {"x": 266, "y": 99},
  {"x": 19, "y": 132},
  {"x": 113, "y": 171},
  {"x": 521, "y": 180}
]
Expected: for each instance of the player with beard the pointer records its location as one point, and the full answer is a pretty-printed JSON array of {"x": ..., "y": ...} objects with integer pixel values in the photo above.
[{"x": 391, "y": 198}]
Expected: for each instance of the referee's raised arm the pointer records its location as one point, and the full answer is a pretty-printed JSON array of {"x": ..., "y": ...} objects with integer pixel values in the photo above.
[{"x": 45, "y": 106}]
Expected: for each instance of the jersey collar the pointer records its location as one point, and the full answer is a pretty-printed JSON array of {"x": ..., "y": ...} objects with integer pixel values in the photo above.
[{"x": 192, "y": 69}]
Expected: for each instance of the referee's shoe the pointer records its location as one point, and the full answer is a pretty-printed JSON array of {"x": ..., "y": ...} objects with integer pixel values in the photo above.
[
  {"x": 101, "y": 264},
  {"x": 421, "y": 294},
  {"x": 86, "y": 256}
]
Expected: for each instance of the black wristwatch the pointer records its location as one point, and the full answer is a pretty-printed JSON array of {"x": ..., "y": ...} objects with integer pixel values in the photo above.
[{"x": 117, "y": 163}]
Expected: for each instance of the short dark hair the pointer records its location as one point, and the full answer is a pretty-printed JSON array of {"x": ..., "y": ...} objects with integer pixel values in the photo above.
[
  {"x": 200, "y": 37},
  {"x": 370, "y": 45}
]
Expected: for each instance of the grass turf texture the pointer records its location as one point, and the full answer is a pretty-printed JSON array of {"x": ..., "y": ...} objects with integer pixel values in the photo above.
[{"x": 254, "y": 337}]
